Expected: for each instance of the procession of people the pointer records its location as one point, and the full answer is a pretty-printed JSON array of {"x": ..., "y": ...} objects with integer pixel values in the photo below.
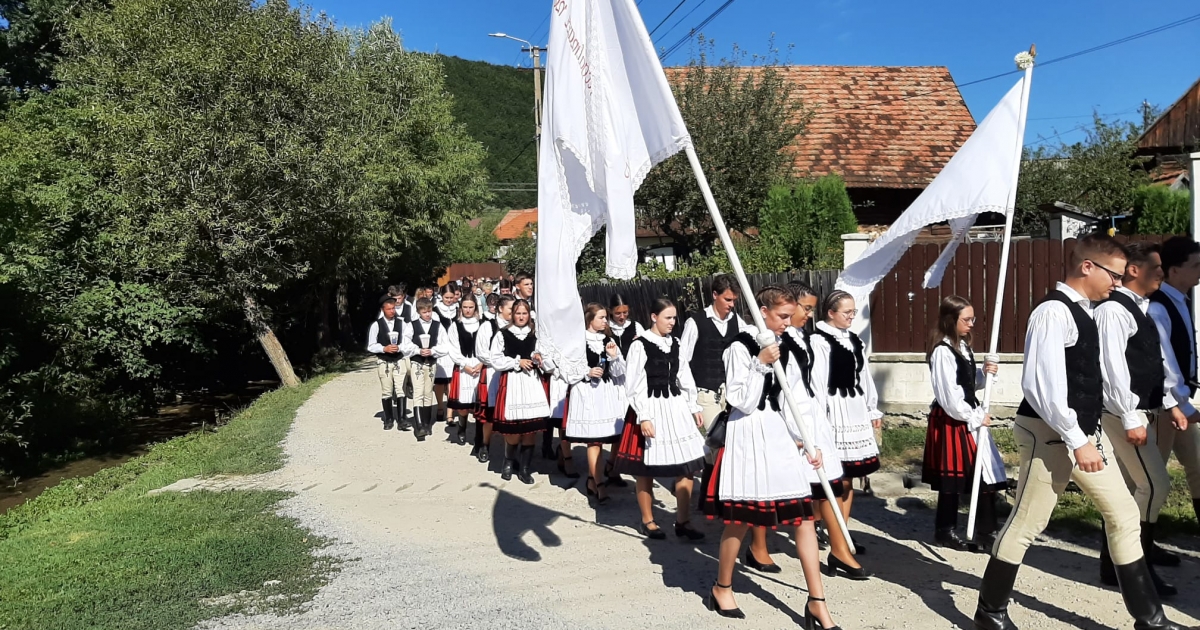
[{"x": 1109, "y": 369}]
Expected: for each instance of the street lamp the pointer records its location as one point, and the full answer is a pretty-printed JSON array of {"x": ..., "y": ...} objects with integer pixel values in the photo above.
[{"x": 535, "y": 53}]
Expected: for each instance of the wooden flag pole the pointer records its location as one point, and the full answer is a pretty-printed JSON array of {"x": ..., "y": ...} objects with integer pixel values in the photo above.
[
  {"x": 982, "y": 436},
  {"x": 765, "y": 337}
]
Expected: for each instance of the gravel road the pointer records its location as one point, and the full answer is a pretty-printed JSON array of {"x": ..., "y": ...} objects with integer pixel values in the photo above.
[{"x": 429, "y": 538}]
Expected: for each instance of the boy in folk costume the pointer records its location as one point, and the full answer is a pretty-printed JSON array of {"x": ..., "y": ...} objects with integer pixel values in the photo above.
[
  {"x": 428, "y": 344},
  {"x": 388, "y": 341},
  {"x": 1171, "y": 310},
  {"x": 1058, "y": 432},
  {"x": 1135, "y": 395}
]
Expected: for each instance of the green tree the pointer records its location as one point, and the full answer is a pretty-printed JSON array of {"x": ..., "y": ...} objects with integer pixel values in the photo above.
[
  {"x": 473, "y": 244},
  {"x": 1160, "y": 210},
  {"x": 802, "y": 223},
  {"x": 1099, "y": 174},
  {"x": 521, "y": 256},
  {"x": 740, "y": 120}
]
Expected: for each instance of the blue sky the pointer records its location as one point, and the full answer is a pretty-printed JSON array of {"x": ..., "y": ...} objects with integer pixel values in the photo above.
[{"x": 974, "y": 39}]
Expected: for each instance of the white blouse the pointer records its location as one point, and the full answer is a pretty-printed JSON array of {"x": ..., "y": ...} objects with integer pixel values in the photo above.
[
  {"x": 502, "y": 362},
  {"x": 455, "y": 350},
  {"x": 943, "y": 368},
  {"x": 636, "y": 384},
  {"x": 820, "y": 371}
]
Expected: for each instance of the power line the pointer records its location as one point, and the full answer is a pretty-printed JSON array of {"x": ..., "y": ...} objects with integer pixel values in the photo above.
[
  {"x": 1061, "y": 133},
  {"x": 1123, "y": 40},
  {"x": 679, "y": 44},
  {"x": 680, "y": 20},
  {"x": 668, "y": 17},
  {"x": 516, "y": 157}
]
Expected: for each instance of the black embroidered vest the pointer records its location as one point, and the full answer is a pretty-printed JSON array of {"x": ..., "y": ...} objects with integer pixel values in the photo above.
[
  {"x": 1185, "y": 356},
  {"x": 1143, "y": 355},
  {"x": 771, "y": 388},
  {"x": 624, "y": 339},
  {"x": 404, "y": 313},
  {"x": 845, "y": 367},
  {"x": 466, "y": 340},
  {"x": 383, "y": 339},
  {"x": 445, "y": 321},
  {"x": 965, "y": 372},
  {"x": 708, "y": 357},
  {"x": 420, "y": 327},
  {"x": 662, "y": 369},
  {"x": 1085, "y": 381},
  {"x": 519, "y": 348},
  {"x": 804, "y": 358},
  {"x": 600, "y": 360}
]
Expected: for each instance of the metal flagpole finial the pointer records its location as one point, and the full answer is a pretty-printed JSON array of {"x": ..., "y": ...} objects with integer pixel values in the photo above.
[{"x": 1025, "y": 59}]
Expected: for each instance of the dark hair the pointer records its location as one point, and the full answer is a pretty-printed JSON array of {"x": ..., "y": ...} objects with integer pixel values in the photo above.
[
  {"x": 387, "y": 301},
  {"x": 832, "y": 301},
  {"x": 947, "y": 324},
  {"x": 492, "y": 299},
  {"x": 505, "y": 299},
  {"x": 1139, "y": 253},
  {"x": 469, "y": 297},
  {"x": 725, "y": 282},
  {"x": 505, "y": 283},
  {"x": 771, "y": 296},
  {"x": 1176, "y": 251},
  {"x": 589, "y": 315},
  {"x": 660, "y": 305},
  {"x": 522, "y": 277},
  {"x": 617, "y": 300},
  {"x": 448, "y": 288},
  {"x": 529, "y": 309},
  {"x": 424, "y": 304},
  {"x": 395, "y": 291},
  {"x": 800, "y": 289},
  {"x": 1095, "y": 245}
]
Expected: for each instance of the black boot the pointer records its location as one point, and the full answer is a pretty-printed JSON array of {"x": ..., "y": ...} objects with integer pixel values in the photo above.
[
  {"x": 1108, "y": 574},
  {"x": 389, "y": 414},
  {"x": 948, "y": 538},
  {"x": 548, "y": 441},
  {"x": 510, "y": 456},
  {"x": 525, "y": 473},
  {"x": 477, "y": 445},
  {"x": 419, "y": 429},
  {"x": 1156, "y": 555},
  {"x": 1162, "y": 588},
  {"x": 401, "y": 406},
  {"x": 460, "y": 437},
  {"x": 1143, "y": 604},
  {"x": 994, "y": 593},
  {"x": 431, "y": 418},
  {"x": 485, "y": 446}
]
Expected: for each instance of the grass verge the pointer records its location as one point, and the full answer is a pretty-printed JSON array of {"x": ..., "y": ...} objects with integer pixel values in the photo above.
[
  {"x": 97, "y": 552},
  {"x": 903, "y": 449}
]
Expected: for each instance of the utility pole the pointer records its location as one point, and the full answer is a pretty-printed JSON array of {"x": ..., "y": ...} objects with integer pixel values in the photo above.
[{"x": 536, "y": 53}]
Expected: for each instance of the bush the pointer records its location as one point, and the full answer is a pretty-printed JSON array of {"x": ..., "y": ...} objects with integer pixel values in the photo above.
[
  {"x": 802, "y": 223},
  {"x": 1160, "y": 210}
]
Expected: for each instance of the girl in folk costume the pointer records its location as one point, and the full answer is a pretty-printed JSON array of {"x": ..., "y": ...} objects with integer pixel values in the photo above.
[
  {"x": 597, "y": 404},
  {"x": 843, "y": 387},
  {"x": 446, "y": 312},
  {"x": 759, "y": 478},
  {"x": 468, "y": 369},
  {"x": 624, "y": 330},
  {"x": 490, "y": 388},
  {"x": 950, "y": 448},
  {"x": 521, "y": 404},
  {"x": 489, "y": 313},
  {"x": 661, "y": 437}
]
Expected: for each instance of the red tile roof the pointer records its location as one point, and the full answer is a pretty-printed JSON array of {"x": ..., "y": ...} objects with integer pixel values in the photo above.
[
  {"x": 515, "y": 223},
  {"x": 876, "y": 126}
]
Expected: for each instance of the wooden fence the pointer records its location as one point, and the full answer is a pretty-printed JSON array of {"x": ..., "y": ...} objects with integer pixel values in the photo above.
[
  {"x": 693, "y": 294},
  {"x": 902, "y": 312}
]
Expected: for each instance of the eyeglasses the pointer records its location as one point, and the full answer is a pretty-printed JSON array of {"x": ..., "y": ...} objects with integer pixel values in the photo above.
[
  {"x": 1116, "y": 277},
  {"x": 967, "y": 320},
  {"x": 850, "y": 313},
  {"x": 808, "y": 309}
]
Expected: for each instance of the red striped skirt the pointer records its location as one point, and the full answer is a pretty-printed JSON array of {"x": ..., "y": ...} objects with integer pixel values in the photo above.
[
  {"x": 455, "y": 392},
  {"x": 949, "y": 454},
  {"x": 504, "y": 426},
  {"x": 773, "y": 514},
  {"x": 631, "y": 454}
]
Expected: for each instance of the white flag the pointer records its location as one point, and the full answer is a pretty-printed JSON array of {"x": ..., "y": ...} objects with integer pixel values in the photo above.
[
  {"x": 608, "y": 116},
  {"x": 977, "y": 179}
]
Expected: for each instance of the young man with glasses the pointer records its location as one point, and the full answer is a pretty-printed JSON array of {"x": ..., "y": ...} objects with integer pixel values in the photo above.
[
  {"x": 1058, "y": 432},
  {"x": 1135, "y": 384}
]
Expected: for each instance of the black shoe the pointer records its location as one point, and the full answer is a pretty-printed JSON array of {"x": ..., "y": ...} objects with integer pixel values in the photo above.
[
  {"x": 400, "y": 409},
  {"x": 822, "y": 537},
  {"x": 510, "y": 463},
  {"x": 769, "y": 567},
  {"x": 711, "y": 603},
  {"x": 833, "y": 566},
  {"x": 684, "y": 530},
  {"x": 1154, "y": 554},
  {"x": 389, "y": 414},
  {"x": 991, "y": 613},
  {"x": 983, "y": 543},
  {"x": 948, "y": 538},
  {"x": 810, "y": 620},
  {"x": 525, "y": 472},
  {"x": 419, "y": 430},
  {"x": 653, "y": 534},
  {"x": 460, "y": 437},
  {"x": 483, "y": 456},
  {"x": 593, "y": 491},
  {"x": 1143, "y": 604},
  {"x": 562, "y": 468}
]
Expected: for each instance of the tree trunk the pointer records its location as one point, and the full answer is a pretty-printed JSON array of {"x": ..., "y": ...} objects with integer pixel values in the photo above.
[
  {"x": 345, "y": 326},
  {"x": 324, "y": 328},
  {"x": 270, "y": 343}
]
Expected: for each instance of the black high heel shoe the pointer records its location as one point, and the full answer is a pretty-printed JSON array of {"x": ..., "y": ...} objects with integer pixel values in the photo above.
[
  {"x": 562, "y": 468},
  {"x": 810, "y": 620},
  {"x": 833, "y": 566},
  {"x": 711, "y": 603},
  {"x": 768, "y": 567},
  {"x": 653, "y": 534},
  {"x": 684, "y": 530},
  {"x": 593, "y": 490}
]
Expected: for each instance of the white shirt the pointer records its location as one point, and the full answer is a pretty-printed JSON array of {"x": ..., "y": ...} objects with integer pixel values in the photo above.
[
  {"x": 619, "y": 329},
  {"x": 454, "y": 347},
  {"x": 1117, "y": 326},
  {"x": 1044, "y": 377},
  {"x": 1177, "y": 380},
  {"x": 395, "y": 325},
  {"x": 687, "y": 343},
  {"x": 820, "y": 370},
  {"x": 438, "y": 351},
  {"x": 598, "y": 343},
  {"x": 943, "y": 371},
  {"x": 483, "y": 341},
  {"x": 636, "y": 385}
]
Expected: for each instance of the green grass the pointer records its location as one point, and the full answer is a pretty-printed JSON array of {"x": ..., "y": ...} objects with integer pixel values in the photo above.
[
  {"x": 97, "y": 552},
  {"x": 903, "y": 449}
]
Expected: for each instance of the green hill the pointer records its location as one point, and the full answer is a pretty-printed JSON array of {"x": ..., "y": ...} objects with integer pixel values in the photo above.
[{"x": 496, "y": 105}]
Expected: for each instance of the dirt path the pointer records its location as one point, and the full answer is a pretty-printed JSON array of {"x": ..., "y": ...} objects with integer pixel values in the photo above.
[{"x": 434, "y": 539}]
